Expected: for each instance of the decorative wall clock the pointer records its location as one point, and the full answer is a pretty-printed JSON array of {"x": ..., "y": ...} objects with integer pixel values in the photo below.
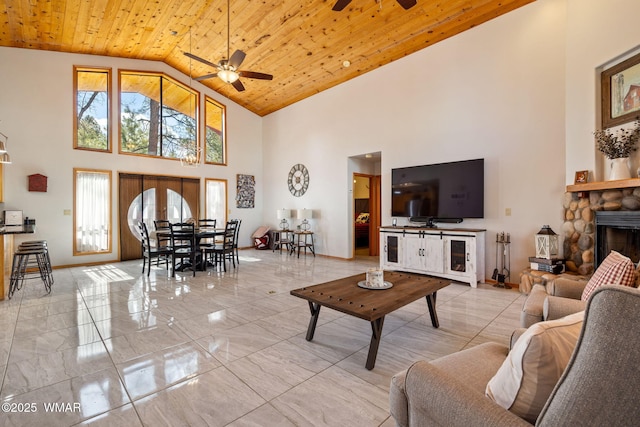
[{"x": 298, "y": 180}]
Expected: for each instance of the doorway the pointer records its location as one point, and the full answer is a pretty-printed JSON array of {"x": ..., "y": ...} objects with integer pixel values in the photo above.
[
  {"x": 366, "y": 208},
  {"x": 148, "y": 198}
]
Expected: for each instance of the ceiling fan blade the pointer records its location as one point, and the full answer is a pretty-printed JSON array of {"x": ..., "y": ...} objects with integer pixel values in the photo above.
[
  {"x": 238, "y": 85},
  {"x": 407, "y": 4},
  {"x": 340, "y": 4},
  {"x": 255, "y": 75},
  {"x": 237, "y": 58},
  {"x": 197, "y": 58},
  {"x": 206, "y": 76}
]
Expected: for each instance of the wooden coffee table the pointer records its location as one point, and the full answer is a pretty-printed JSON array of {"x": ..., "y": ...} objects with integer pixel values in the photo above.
[{"x": 371, "y": 304}]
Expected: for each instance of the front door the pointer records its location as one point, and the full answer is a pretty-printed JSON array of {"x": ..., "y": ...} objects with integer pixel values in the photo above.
[{"x": 149, "y": 197}]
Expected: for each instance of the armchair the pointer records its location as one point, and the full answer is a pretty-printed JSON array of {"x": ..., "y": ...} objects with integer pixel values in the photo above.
[
  {"x": 556, "y": 299},
  {"x": 566, "y": 295},
  {"x": 597, "y": 387}
]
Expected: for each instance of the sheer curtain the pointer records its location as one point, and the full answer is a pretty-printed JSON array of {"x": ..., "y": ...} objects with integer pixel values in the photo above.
[
  {"x": 216, "y": 201},
  {"x": 93, "y": 210}
]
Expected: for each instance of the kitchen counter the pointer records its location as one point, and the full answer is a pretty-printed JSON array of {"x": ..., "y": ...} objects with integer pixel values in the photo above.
[{"x": 17, "y": 229}]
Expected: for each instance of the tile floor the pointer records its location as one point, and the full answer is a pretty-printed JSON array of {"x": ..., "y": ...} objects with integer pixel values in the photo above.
[{"x": 113, "y": 347}]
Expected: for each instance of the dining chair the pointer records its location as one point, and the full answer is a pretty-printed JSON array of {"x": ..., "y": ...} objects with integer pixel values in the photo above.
[
  {"x": 206, "y": 244},
  {"x": 224, "y": 250},
  {"x": 150, "y": 252},
  {"x": 163, "y": 240},
  {"x": 207, "y": 223},
  {"x": 183, "y": 245},
  {"x": 235, "y": 242}
]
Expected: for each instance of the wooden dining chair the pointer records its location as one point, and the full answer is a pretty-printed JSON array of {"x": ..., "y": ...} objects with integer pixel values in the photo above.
[
  {"x": 206, "y": 244},
  {"x": 207, "y": 223},
  {"x": 235, "y": 242},
  {"x": 149, "y": 252},
  {"x": 183, "y": 247},
  {"x": 224, "y": 250},
  {"x": 163, "y": 240}
]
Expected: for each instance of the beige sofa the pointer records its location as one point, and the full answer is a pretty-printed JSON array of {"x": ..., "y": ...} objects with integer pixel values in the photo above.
[{"x": 598, "y": 386}]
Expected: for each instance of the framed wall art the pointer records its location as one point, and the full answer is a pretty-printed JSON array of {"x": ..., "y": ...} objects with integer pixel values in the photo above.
[
  {"x": 582, "y": 177},
  {"x": 621, "y": 92},
  {"x": 246, "y": 192}
]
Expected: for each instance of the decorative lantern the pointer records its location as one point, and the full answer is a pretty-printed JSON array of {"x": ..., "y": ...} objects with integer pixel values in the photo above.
[{"x": 546, "y": 243}]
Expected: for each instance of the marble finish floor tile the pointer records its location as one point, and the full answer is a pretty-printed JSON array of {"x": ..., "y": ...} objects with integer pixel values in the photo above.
[
  {"x": 221, "y": 348},
  {"x": 266, "y": 415},
  {"x": 124, "y": 416},
  {"x": 156, "y": 371},
  {"x": 215, "y": 398},
  {"x": 27, "y": 374},
  {"x": 334, "y": 397},
  {"x": 231, "y": 344},
  {"x": 276, "y": 369},
  {"x": 147, "y": 341},
  {"x": 78, "y": 399}
]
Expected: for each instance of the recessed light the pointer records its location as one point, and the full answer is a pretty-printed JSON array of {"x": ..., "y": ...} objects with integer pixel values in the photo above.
[
  {"x": 174, "y": 33},
  {"x": 346, "y": 64}
]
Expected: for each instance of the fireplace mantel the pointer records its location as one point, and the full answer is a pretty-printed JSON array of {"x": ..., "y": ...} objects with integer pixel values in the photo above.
[{"x": 604, "y": 185}]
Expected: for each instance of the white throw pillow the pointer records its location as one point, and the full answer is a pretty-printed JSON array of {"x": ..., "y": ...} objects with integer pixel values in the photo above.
[{"x": 533, "y": 367}]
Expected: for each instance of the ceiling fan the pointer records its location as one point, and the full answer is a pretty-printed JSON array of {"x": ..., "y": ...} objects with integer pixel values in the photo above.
[
  {"x": 228, "y": 68},
  {"x": 406, "y": 4}
]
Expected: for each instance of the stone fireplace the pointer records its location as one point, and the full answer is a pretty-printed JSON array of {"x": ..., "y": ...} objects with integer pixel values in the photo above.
[{"x": 596, "y": 223}]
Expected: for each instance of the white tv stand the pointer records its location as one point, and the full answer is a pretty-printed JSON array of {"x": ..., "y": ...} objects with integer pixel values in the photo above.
[{"x": 451, "y": 253}]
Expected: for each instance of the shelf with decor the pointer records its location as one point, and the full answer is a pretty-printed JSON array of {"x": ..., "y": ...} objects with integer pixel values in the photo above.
[{"x": 604, "y": 185}]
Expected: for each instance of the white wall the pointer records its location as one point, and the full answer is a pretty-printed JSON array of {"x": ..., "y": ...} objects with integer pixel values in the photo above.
[
  {"x": 36, "y": 113},
  {"x": 520, "y": 91},
  {"x": 598, "y": 32},
  {"x": 496, "y": 91}
]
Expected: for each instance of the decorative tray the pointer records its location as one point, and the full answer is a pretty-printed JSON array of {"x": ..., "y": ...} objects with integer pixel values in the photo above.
[{"x": 363, "y": 284}]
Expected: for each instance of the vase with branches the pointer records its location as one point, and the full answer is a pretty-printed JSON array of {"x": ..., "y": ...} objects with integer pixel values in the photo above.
[
  {"x": 622, "y": 143},
  {"x": 618, "y": 146}
]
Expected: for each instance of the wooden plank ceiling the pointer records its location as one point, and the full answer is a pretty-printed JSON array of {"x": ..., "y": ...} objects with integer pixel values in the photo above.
[{"x": 302, "y": 43}]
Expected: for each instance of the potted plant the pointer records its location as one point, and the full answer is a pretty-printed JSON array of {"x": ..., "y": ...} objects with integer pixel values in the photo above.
[{"x": 618, "y": 147}]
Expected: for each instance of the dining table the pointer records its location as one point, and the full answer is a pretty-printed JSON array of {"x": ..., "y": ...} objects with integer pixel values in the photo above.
[{"x": 200, "y": 233}]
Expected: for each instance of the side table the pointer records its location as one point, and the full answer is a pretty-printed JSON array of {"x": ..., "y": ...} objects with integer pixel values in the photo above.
[
  {"x": 282, "y": 238},
  {"x": 303, "y": 239}
]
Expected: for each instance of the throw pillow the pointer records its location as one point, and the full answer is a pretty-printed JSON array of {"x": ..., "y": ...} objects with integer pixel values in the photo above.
[
  {"x": 616, "y": 269},
  {"x": 528, "y": 375},
  {"x": 363, "y": 218}
]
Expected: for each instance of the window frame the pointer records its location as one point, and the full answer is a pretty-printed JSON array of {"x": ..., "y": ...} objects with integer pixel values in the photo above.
[
  {"x": 208, "y": 100},
  {"x": 108, "y": 173},
  {"x": 77, "y": 69},
  {"x": 161, "y": 75}
]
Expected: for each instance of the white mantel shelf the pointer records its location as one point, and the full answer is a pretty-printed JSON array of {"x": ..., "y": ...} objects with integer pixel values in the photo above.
[{"x": 604, "y": 185}]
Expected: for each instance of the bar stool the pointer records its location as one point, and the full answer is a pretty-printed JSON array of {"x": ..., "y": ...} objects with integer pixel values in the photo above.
[
  {"x": 31, "y": 260},
  {"x": 41, "y": 244}
]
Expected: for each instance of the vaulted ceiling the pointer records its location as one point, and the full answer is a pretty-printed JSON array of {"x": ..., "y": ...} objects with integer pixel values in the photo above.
[{"x": 304, "y": 44}]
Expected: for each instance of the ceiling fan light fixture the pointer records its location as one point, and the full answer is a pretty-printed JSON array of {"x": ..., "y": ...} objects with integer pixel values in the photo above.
[{"x": 228, "y": 76}]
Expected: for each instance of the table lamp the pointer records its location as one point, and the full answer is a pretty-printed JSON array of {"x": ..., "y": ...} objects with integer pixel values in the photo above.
[
  {"x": 305, "y": 215},
  {"x": 283, "y": 215}
]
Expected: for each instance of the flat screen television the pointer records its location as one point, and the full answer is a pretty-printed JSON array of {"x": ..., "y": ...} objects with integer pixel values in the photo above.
[{"x": 453, "y": 190}]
